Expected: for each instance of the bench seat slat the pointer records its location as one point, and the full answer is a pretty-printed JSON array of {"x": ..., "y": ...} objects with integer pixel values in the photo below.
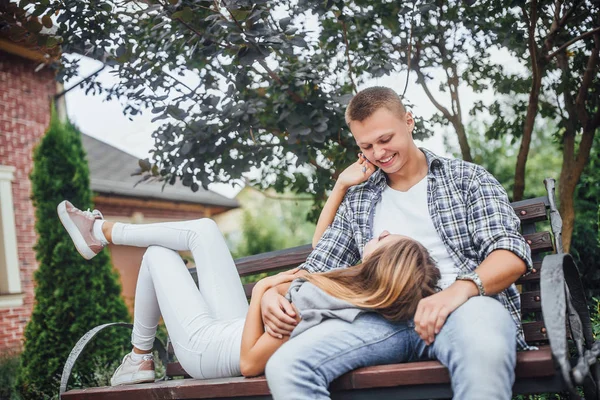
[
  {"x": 534, "y": 332},
  {"x": 530, "y": 364}
]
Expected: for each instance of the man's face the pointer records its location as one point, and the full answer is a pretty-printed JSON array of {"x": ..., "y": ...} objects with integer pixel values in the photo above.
[{"x": 385, "y": 139}]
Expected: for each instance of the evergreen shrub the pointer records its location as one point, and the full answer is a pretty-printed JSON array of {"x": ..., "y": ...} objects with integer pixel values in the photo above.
[
  {"x": 9, "y": 363},
  {"x": 72, "y": 295}
]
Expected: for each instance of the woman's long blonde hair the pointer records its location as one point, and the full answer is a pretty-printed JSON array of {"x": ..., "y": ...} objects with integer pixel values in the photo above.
[{"x": 391, "y": 281}]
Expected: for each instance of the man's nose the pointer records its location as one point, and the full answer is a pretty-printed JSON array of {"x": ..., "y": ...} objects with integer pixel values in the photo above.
[{"x": 378, "y": 152}]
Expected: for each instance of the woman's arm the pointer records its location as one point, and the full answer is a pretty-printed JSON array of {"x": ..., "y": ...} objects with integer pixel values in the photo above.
[
  {"x": 356, "y": 173},
  {"x": 257, "y": 345}
]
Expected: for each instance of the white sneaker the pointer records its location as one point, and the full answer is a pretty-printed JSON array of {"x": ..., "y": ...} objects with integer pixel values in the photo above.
[{"x": 130, "y": 371}]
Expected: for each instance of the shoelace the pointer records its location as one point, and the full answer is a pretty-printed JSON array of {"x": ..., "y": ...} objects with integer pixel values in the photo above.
[{"x": 95, "y": 214}]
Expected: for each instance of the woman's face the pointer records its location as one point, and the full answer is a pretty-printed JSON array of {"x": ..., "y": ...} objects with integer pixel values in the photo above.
[{"x": 384, "y": 239}]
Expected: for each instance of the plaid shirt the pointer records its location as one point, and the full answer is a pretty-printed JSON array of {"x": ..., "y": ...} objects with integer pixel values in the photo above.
[{"x": 470, "y": 211}]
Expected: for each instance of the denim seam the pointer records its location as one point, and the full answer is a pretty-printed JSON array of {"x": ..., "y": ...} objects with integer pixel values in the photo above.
[{"x": 359, "y": 347}]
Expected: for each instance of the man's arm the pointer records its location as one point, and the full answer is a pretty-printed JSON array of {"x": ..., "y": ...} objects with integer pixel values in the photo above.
[
  {"x": 354, "y": 175},
  {"x": 494, "y": 230},
  {"x": 336, "y": 249}
]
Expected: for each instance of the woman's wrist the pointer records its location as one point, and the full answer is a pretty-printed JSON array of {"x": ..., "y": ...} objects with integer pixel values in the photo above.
[
  {"x": 340, "y": 187},
  {"x": 259, "y": 288}
]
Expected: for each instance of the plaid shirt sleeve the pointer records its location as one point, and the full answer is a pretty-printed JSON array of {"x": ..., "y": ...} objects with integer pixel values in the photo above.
[
  {"x": 492, "y": 221},
  {"x": 337, "y": 248}
]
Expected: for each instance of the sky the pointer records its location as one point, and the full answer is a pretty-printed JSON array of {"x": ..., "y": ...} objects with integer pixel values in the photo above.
[{"x": 105, "y": 121}]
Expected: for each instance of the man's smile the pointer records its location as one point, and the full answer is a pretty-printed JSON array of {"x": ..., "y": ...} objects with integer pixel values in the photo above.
[{"x": 387, "y": 161}]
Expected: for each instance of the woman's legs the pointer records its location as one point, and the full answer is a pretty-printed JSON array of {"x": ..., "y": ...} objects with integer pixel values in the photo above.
[
  {"x": 218, "y": 279},
  {"x": 205, "y": 326}
]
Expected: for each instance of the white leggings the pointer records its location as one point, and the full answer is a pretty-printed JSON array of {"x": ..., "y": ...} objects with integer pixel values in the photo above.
[{"x": 205, "y": 325}]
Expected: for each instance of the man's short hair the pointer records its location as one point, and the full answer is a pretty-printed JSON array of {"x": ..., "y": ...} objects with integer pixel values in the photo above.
[{"x": 369, "y": 100}]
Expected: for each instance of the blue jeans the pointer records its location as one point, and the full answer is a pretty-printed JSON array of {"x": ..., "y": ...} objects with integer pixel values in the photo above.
[{"x": 477, "y": 344}]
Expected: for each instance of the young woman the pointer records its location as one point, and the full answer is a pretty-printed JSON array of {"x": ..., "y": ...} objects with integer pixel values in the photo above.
[{"x": 215, "y": 333}]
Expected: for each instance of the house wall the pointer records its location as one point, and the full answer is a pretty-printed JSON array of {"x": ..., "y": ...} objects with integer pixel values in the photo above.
[{"x": 25, "y": 97}]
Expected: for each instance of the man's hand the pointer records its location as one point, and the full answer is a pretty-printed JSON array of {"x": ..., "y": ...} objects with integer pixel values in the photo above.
[
  {"x": 278, "y": 314},
  {"x": 432, "y": 311}
]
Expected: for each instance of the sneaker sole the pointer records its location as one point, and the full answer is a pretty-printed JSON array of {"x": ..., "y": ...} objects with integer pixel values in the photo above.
[
  {"x": 138, "y": 377},
  {"x": 78, "y": 240}
]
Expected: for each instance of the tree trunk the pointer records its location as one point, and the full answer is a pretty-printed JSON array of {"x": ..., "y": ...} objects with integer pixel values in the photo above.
[
  {"x": 465, "y": 149},
  {"x": 570, "y": 173},
  {"x": 532, "y": 110},
  {"x": 566, "y": 193}
]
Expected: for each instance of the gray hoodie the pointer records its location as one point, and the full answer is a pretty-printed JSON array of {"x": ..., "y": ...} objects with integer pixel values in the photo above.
[{"x": 315, "y": 306}]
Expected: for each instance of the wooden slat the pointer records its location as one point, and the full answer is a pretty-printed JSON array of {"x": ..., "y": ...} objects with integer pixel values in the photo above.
[
  {"x": 289, "y": 258},
  {"x": 531, "y": 301},
  {"x": 535, "y": 332},
  {"x": 529, "y": 213},
  {"x": 530, "y": 364},
  {"x": 534, "y": 276},
  {"x": 539, "y": 242},
  {"x": 274, "y": 260},
  {"x": 541, "y": 199}
]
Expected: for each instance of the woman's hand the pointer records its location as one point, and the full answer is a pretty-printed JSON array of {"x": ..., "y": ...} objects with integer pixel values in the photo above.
[
  {"x": 271, "y": 281},
  {"x": 356, "y": 173}
]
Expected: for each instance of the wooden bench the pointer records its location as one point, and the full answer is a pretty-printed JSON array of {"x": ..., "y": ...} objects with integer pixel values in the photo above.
[{"x": 553, "y": 308}]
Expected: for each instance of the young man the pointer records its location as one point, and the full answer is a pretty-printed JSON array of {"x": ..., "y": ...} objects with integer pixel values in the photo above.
[{"x": 462, "y": 215}]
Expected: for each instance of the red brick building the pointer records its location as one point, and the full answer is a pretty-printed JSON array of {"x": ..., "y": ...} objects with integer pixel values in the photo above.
[{"x": 25, "y": 98}]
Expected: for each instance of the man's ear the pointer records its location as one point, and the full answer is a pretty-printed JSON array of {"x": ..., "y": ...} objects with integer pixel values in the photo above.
[{"x": 410, "y": 121}]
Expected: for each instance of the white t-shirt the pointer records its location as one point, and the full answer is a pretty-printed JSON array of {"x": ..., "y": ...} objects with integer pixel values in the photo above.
[{"x": 406, "y": 213}]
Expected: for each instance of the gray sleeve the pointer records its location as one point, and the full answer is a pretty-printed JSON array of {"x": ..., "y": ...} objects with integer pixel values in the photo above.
[{"x": 315, "y": 306}]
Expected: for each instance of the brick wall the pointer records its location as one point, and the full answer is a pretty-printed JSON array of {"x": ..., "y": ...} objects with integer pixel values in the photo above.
[{"x": 24, "y": 116}]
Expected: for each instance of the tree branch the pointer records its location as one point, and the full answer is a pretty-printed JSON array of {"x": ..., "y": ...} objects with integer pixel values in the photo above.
[
  {"x": 408, "y": 58},
  {"x": 345, "y": 32},
  {"x": 444, "y": 110},
  {"x": 297, "y": 99},
  {"x": 563, "y": 64},
  {"x": 588, "y": 77},
  {"x": 531, "y": 29},
  {"x": 570, "y": 42}
]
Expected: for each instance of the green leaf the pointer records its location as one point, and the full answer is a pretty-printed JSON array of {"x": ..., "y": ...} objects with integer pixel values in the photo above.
[
  {"x": 145, "y": 165},
  {"x": 33, "y": 26},
  {"x": 284, "y": 22},
  {"x": 186, "y": 15},
  {"x": 51, "y": 42},
  {"x": 47, "y": 21}
]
